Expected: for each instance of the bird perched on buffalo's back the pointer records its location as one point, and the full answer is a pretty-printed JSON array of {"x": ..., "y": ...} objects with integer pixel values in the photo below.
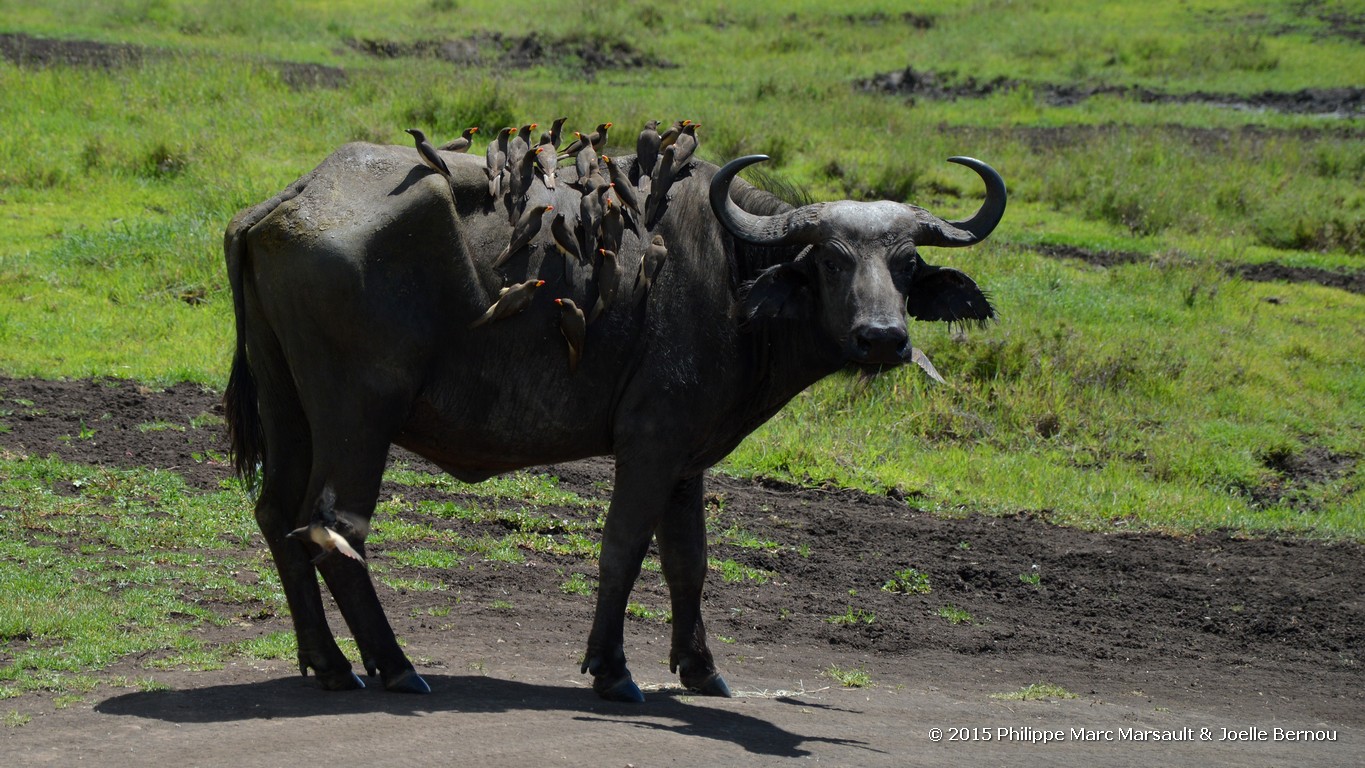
[
  {"x": 625, "y": 193},
  {"x": 574, "y": 328},
  {"x": 511, "y": 300},
  {"x": 545, "y": 160},
  {"x": 651, "y": 263},
  {"x": 427, "y": 153},
  {"x": 669, "y": 136},
  {"x": 497, "y": 161},
  {"x": 520, "y": 180},
  {"x": 557, "y": 131},
  {"x": 597, "y": 140},
  {"x": 685, "y": 145},
  {"x": 564, "y": 240},
  {"x": 658, "y": 191},
  {"x": 613, "y": 227},
  {"x": 523, "y": 232},
  {"x": 647, "y": 148},
  {"x": 589, "y": 218},
  {"x": 608, "y": 279},
  {"x": 461, "y": 143},
  {"x": 519, "y": 144}
]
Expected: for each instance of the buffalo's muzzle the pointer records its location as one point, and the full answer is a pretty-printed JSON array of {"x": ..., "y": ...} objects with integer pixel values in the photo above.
[{"x": 880, "y": 344}]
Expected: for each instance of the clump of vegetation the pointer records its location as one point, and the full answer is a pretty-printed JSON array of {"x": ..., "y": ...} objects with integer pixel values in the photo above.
[
  {"x": 853, "y": 616},
  {"x": 909, "y": 581},
  {"x": 1036, "y": 692},
  {"x": 954, "y": 615},
  {"x": 852, "y": 677}
]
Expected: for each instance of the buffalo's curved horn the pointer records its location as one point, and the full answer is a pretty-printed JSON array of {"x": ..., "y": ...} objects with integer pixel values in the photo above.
[
  {"x": 788, "y": 228},
  {"x": 938, "y": 232}
]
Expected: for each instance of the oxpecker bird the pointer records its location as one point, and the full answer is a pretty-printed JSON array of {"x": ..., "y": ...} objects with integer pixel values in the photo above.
[
  {"x": 574, "y": 328},
  {"x": 428, "y": 153},
  {"x": 613, "y": 223},
  {"x": 520, "y": 180},
  {"x": 545, "y": 160},
  {"x": 511, "y": 300},
  {"x": 625, "y": 193},
  {"x": 647, "y": 148},
  {"x": 597, "y": 139},
  {"x": 651, "y": 263},
  {"x": 461, "y": 143},
  {"x": 523, "y": 232},
  {"x": 497, "y": 160},
  {"x": 685, "y": 146},
  {"x": 669, "y": 136},
  {"x": 564, "y": 240},
  {"x": 328, "y": 539},
  {"x": 589, "y": 217},
  {"x": 557, "y": 131},
  {"x": 608, "y": 277},
  {"x": 658, "y": 190}
]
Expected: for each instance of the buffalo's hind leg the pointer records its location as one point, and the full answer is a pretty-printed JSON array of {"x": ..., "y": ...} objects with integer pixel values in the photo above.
[
  {"x": 681, "y": 536},
  {"x": 348, "y": 467},
  {"x": 286, "y": 471}
]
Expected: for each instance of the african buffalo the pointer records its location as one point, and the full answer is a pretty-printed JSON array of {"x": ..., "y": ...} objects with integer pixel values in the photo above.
[{"x": 354, "y": 291}]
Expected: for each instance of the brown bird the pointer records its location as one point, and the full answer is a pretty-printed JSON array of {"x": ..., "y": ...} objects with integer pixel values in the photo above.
[
  {"x": 651, "y": 263},
  {"x": 647, "y": 148},
  {"x": 497, "y": 160},
  {"x": 545, "y": 160},
  {"x": 428, "y": 153},
  {"x": 564, "y": 240},
  {"x": 589, "y": 218},
  {"x": 328, "y": 539},
  {"x": 523, "y": 232},
  {"x": 574, "y": 328},
  {"x": 658, "y": 189},
  {"x": 669, "y": 136},
  {"x": 519, "y": 184},
  {"x": 519, "y": 144},
  {"x": 597, "y": 139},
  {"x": 625, "y": 191},
  {"x": 557, "y": 131},
  {"x": 613, "y": 227},
  {"x": 608, "y": 277},
  {"x": 511, "y": 300},
  {"x": 685, "y": 145},
  {"x": 585, "y": 165},
  {"x": 461, "y": 143}
]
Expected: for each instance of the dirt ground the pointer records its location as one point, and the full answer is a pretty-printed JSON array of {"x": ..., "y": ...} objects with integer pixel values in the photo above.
[{"x": 1155, "y": 635}]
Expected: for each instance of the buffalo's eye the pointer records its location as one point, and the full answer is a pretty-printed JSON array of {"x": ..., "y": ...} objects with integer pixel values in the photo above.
[{"x": 830, "y": 265}]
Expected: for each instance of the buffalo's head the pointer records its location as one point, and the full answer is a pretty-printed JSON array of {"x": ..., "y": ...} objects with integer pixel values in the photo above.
[{"x": 861, "y": 264}]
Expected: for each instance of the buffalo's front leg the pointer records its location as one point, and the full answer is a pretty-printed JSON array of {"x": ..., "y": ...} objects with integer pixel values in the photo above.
[
  {"x": 682, "y": 551},
  {"x": 636, "y": 504}
]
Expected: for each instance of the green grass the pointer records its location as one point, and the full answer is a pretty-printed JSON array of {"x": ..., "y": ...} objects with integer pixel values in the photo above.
[
  {"x": 955, "y": 615},
  {"x": 853, "y": 677}
]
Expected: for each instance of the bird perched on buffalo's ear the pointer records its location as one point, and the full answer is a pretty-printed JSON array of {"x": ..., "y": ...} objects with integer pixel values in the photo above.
[
  {"x": 608, "y": 278},
  {"x": 428, "y": 153},
  {"x": 651, "y": 263},
  {"x": 523, "y": 232},
  {"x": 574, "y": 328},
  {"x": 461, "y": 143},
  {"x": 511, "y": 300}
]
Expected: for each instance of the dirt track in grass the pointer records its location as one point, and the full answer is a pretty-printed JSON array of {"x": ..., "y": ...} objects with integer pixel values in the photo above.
[{"x": 1153, "y": 633}]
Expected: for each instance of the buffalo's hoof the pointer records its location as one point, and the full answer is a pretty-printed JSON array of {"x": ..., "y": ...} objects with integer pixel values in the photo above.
[
  {"x": 624, "y": 689},
  {"x": 407, "y": 681},
  {"x": 712, "y": 685},
  {"x": 340, "y": 680},
  {"x": 371, "y": 668}
]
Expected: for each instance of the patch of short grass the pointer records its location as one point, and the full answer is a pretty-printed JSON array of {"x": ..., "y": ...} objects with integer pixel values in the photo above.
[
  {"x": 955, "y": 615},
  {"x": 851, "y": 677},
  {"x": 1036, "y": 692}
]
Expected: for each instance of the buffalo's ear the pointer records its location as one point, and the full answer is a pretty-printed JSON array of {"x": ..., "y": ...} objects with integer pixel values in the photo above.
[
  {"x": 778, "y": 291},
  {"x": 945, "y": 294}
]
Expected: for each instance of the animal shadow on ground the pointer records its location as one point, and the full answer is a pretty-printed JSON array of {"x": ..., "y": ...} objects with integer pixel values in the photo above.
[{"x": 293, "y": 698}]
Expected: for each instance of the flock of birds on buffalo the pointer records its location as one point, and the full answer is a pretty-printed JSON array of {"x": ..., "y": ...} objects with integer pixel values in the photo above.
[{"x": 523, "y": 175}]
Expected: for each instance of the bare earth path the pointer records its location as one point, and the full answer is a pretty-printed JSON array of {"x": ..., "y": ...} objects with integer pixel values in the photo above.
[{"x": 1158, "y": 637}]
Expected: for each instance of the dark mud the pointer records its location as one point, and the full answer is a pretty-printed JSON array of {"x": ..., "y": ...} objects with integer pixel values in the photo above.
[
  {"x": 949, "y": 86},
  {"x": 588, "y": 53},
  {"x": 1264, "y": 272},
  {"x": 27, "y": 51},
  {"x": 1112, "y": 611}
]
